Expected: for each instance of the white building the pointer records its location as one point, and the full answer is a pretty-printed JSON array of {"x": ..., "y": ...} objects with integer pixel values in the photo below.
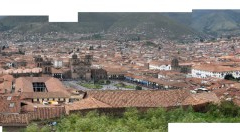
[
  {"x": 10, "y": 64},
  {"x": 208, "y": 70},
  {"x": 58, "y": 63},
  {"x": 157, "y": 65}
]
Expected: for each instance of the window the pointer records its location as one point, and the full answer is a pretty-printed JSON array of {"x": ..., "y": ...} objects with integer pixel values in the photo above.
[
  {"x": 39, "y": 87},
  {"x": 9, "y": 97},
  {"x": 11, "y": 105}
]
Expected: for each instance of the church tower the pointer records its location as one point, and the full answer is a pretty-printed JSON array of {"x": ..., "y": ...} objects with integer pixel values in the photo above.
[
  {"x": 175, "y": 64},
  {"x": 88, "y": 62},
  {"x": 47, "y": 66},
  {"x": 38, "y": 61},
  {"x": 73, "y": 65}
]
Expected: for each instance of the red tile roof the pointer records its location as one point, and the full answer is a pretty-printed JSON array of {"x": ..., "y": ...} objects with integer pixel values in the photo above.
[
  {"x": 10, "y": 104},
  {"x": 215, "y": 68},
  {"x": 88, "y": 103},
  {"x": 55, "y": 88},
  {"x": 149, "y": 98},
  {"x": 144, "y": 98}
]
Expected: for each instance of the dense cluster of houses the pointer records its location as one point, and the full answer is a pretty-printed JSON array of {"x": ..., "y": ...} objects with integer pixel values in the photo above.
[
  {"x": 176, "y": 75},
  {"x": 26, "y": 98}
]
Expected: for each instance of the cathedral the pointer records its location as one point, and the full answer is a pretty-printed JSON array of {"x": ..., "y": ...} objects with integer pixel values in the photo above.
[{"x": 81, "y": 67}]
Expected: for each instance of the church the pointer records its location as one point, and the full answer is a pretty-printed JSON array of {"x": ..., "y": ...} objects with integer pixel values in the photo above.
[{"x": 81, "y": 67}]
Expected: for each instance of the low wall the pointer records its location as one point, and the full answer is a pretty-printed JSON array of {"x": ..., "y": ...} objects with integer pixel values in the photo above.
[{"x": 41, "y": 113}]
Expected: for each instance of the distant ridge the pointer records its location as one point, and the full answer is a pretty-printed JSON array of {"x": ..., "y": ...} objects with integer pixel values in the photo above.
[
  {"x": 149, "y": 25},
  {"x": 211, "y": 22},
  {"x": 173, "y": 26},
  {"x": 217, "y": 22}
]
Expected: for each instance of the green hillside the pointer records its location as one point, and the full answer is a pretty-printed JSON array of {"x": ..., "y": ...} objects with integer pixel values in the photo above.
[
  {"x": 216, "y": 22},
  {"x": 211, "y": 22},
  {"x": 181, "y": 17},
  {"x": 150, "y": 25},
  {"x": 88, "y": 22}
]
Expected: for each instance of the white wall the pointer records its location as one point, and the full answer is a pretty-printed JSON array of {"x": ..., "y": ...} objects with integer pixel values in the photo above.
[
  {"x": 58, "y": 64},
  {"x": 161, "y": 67},
  {"x": 206, "y": 74}
]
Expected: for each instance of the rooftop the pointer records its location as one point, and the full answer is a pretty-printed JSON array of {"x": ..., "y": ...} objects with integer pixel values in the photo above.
[
  {"x": 54, "y": 86},
  {"x": 142, "y": 98}
]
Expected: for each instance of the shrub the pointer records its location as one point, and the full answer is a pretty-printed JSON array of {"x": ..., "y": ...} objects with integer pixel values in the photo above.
[
  {"x": 138, "y": 88},
  {"x": 108, "y": 81},
  {"x": 32, "y": 128}
]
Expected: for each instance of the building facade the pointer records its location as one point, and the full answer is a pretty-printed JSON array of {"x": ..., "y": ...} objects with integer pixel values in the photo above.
[
  {"x": 81, "y": 68},
  {"x": 206, "y": 71}
]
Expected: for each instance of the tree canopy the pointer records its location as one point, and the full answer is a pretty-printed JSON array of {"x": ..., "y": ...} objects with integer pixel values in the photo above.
[
  {"x": 230, "y": 77},
  {"x": 152, "y": 120}
]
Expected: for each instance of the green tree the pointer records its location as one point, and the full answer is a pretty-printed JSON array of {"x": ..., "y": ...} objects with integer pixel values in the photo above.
[
  {"x": 138, "y": 88},
  {"x": 45, "y": 129},
  {"x": 157, "y": 118},
  {"x": 131, "y": 113},
  {"x": 153, "y": 120},
  {"x": 33, "y": 127},
  {"x": 229, "y": 109},
  {"x": 131, "y": 117},
  {"x": 108, "y": 81},
  {"x": 229, "y": 77}
]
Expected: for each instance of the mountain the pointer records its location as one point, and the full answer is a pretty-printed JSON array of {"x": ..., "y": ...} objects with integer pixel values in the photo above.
[
  {"x": 39, "y": 24},
  {"x": 21, "y": 23},
  {"x": 181, "y": 17},
  {"x": 211, "y": 22},
  {"x": 175, "y": 26},
  {"x": 149, "y": 25},
  {"x": 216, "y": 22}
]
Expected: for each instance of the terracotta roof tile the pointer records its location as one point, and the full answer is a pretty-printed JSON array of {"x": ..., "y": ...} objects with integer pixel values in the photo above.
[
  {"x": 88, "y": 103},
  {"x": 145, "y": 98},
  {"x": 55, "y": 88},
  {"x": 10, "y": 104},
  {"x": 215, "y": 68}
]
